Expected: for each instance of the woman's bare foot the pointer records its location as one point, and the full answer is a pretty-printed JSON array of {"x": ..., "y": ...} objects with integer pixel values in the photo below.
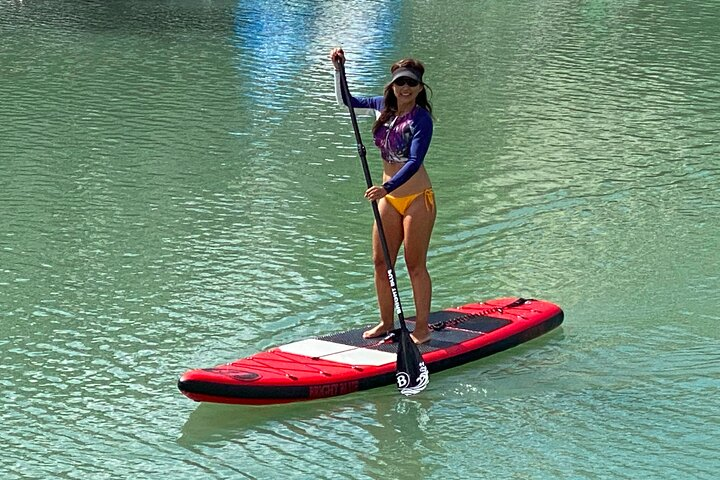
[
  {"x": 380, "y": 330},
  {"x": 420, "y": 337}
]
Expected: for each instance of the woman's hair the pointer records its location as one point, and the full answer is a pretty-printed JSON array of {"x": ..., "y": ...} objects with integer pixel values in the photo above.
[{"x": 390, "y": 100}]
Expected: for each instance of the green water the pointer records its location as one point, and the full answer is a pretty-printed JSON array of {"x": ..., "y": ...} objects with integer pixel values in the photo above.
[{"x": 178, "y": 189}]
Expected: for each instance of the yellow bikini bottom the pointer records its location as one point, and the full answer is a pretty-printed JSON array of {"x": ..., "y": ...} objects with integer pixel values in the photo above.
[{"x": 401, "y": 204}]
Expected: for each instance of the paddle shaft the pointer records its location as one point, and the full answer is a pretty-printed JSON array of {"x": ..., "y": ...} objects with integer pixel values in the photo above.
[{"x": 368, "y": 180}]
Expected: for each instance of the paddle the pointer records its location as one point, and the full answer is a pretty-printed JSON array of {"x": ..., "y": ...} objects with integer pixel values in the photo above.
[{"x": 411, "y": 373}]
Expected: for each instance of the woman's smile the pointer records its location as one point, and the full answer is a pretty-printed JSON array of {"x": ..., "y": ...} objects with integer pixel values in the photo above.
[{"x": 406, "y": 95}]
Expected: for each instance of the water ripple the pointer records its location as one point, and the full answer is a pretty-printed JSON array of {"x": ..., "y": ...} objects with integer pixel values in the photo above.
[{"x": 178, "y": 188}]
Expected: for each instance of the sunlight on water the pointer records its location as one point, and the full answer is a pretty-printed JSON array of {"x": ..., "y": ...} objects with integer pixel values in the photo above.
[{"x": 178, "y": 189}]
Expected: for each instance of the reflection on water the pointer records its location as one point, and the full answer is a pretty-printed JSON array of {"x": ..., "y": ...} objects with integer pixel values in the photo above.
[
  {"x": 336, "y": 427},
  {"x": 178, "y": 189},
  {"x": 277, "y": 55}
]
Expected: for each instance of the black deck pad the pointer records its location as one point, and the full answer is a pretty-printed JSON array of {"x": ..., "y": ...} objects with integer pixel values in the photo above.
[
  {"x": 465, "y": 328},
  {"x": 478, "y": 323}
]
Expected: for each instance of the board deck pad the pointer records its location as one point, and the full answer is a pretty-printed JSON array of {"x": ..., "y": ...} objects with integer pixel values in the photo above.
[
  {"x": 345, "y": 362},
  {"x": 317, "y": 349},
  {"x": 475, "y": 326}
]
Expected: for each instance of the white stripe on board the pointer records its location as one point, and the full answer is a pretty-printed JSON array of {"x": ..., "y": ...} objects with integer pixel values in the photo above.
[{"x": 337, "y": 352}]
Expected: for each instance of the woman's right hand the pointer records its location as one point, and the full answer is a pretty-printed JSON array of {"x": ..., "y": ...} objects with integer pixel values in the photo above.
[{"x": 337, "y": 56}]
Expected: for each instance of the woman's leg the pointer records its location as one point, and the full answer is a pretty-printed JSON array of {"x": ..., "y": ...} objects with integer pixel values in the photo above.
[
  {"x": 418, "y": 225},
  {"x": 393, "y": 228}
]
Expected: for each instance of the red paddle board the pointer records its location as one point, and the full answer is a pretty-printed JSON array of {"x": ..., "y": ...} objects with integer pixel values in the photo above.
[{"x": 342, "y": 363}]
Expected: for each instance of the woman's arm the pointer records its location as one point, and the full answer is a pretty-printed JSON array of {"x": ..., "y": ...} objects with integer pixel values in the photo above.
[{"x": 362, "y": 105}]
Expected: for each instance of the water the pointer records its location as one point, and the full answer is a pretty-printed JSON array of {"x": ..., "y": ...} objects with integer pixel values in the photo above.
[{"x": 178, "y": 189}]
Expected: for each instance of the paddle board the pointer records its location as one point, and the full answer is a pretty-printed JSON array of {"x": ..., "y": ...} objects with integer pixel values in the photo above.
[{"x": 345, "y": 362}]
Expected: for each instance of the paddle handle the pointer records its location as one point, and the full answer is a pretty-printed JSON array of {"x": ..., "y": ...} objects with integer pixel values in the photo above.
[{"x": 362, "y": 152}]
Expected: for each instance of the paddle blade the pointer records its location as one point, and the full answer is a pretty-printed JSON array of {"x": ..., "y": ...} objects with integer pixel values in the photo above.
[{"x": 412, "y": 375}]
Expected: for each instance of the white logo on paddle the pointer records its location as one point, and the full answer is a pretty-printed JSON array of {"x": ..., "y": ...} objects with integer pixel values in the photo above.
[
  {"x": 393, "y": 290},
  {"x": 403, "y": 380}
]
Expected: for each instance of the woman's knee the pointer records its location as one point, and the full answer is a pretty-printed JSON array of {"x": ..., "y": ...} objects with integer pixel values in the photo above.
[
  {"x": 379, "y": 262},
  {"x": 416, "y": 268}
]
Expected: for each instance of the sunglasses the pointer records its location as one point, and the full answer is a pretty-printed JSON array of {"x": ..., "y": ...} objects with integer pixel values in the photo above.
[{"x": 410, "y": 82}]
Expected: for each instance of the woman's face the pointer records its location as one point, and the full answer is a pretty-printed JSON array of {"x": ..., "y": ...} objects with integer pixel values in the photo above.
[{"x": 406, "y": 90}]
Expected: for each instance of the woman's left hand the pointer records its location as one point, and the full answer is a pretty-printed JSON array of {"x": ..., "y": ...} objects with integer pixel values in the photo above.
[{"x": 375, "y": 193}]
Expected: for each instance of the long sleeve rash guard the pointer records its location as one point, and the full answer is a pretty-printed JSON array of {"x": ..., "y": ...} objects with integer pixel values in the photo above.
[{"x": 404, "y": 139}]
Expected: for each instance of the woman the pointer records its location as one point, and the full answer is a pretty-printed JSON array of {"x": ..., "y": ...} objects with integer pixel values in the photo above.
[{"x": 402, "y": 131}]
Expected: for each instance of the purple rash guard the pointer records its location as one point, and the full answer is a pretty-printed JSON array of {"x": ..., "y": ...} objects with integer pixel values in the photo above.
[{"x": 403, "y": 139}]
